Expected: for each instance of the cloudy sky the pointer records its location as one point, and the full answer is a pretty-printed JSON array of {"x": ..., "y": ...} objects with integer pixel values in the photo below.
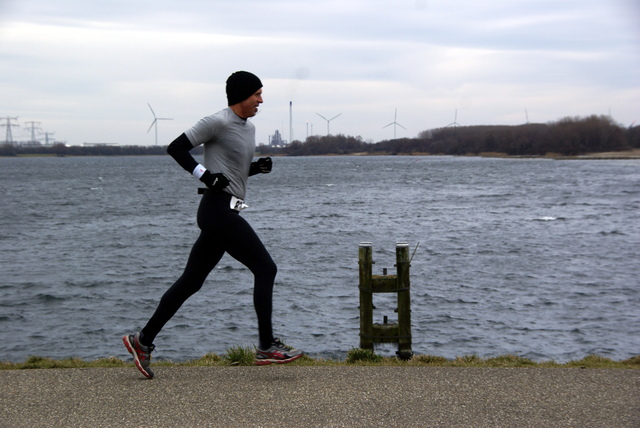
[{"x": 86, "y": 70}]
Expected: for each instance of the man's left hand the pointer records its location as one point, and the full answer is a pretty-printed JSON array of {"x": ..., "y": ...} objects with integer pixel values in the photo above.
[{"x": 261, "y": 166}]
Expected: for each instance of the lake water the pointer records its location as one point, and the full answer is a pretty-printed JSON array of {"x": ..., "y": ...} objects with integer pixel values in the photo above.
[{"x": 533, "y": 257}]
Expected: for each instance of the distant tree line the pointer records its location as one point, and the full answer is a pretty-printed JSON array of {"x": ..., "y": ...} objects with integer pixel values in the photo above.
[
  {"x": 60, "y": 149},
  {"x": 568, "y": 137}
]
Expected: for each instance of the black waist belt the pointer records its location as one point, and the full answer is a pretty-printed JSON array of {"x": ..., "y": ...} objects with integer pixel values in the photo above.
[
  {"x": 217, "y": 193},
  {"x": 234, "y": 203}
]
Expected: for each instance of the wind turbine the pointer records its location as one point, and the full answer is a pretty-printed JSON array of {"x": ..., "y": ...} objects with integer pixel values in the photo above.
[
  {"x": 394, "y": 123},
  {"x": 328, "y": 120},
  {"x": 455, "y": 123},
  {"x": 155, "y": 122}
]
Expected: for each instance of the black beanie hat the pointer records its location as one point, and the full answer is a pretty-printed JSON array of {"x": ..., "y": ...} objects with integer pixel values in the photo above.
[{"x": 241, "y": 85}]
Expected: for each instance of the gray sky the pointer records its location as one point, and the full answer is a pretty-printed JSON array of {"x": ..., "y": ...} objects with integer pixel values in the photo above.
[{"x": 86, "y": 70}]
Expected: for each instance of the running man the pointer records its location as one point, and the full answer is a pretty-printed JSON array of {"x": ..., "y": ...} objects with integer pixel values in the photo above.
[{"x": 229, "y": 145}]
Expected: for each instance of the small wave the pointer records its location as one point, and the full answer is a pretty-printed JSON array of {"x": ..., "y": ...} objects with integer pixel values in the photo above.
[
  {"x": 10, "y": 304},
  {"x": 613, "y": 232},
  {"x": 462, "y": 301},
  {"x": 47, "y": 298},
  {"x": 231, "y": 268},
  {"x": 548, "y": 218}
]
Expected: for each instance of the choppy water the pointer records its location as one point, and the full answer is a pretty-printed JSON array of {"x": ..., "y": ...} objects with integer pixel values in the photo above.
[{"x": 533, "y": 257}]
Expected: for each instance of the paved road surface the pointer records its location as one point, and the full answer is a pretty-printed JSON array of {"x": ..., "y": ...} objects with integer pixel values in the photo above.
[{"x": 283, "y": 396}]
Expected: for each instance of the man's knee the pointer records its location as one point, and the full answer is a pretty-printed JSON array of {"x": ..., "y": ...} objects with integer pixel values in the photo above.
[{"x": 271, "y": 269}]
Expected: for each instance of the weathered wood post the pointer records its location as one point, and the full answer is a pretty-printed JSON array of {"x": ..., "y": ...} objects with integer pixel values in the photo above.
[
  {"x": 399, "y": 333},
  {"x": 366, "y": 296},
  {"x": 404, "y": 301}
]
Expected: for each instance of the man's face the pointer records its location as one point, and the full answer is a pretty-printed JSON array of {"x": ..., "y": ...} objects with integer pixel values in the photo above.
[{"x": 249, "y": 107}]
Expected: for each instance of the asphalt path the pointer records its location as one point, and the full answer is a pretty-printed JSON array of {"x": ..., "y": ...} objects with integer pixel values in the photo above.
[{"x": 280, "y": 396}]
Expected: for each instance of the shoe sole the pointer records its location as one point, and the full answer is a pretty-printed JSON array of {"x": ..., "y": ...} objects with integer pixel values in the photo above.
[
  {"x": 132, "y": 351},
  {"x": 275, "y": 361}
]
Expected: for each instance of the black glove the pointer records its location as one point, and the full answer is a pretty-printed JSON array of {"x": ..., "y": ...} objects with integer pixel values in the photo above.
[
  {"x": 261, "y": 166},
  {"x": 215, "y": 182}
]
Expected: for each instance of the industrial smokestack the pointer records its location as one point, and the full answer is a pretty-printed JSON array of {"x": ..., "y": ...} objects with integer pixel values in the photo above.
[{"x": 290, "y": 122}]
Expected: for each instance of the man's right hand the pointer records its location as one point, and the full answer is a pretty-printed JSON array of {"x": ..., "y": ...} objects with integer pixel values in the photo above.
[{"x": 215, "y": 182}]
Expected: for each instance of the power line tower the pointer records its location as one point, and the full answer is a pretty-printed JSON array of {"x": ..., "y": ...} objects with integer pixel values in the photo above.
[
  {"x": 46, "y": 137},
  {"x": 9, "y": 137},
  {"x": 33, "y": 130}
]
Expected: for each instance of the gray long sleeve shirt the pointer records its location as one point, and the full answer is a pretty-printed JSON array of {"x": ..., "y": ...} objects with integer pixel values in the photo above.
[{"x": 229, "y": 146}]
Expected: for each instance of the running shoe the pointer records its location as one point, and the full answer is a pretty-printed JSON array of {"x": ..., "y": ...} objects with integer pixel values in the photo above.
[
  {"x": 141, "y": 354},
  {"x": 278, "y": 353}
]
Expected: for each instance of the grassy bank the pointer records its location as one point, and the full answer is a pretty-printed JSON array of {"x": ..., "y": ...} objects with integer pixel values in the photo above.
[{"x": 239, "y": 356}]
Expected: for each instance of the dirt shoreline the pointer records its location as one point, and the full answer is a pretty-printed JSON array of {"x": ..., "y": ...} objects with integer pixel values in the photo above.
[{"x": 624, "y": 154}]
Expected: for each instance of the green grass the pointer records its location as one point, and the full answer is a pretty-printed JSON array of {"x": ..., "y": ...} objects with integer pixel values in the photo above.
[
  {"x": 244, "y": 356},
  {"x": 357, "y": 355},
  {"x": 239, "y": 356}
]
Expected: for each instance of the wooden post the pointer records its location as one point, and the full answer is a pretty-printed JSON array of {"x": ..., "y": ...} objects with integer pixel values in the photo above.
[
  {"x": 399, "y": 333},
  {"x": 404, "y": 301},
  {"x": 366, "y": 296}
]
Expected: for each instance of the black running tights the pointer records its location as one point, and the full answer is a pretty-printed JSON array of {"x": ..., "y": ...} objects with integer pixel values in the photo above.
[{"x": 222, "y": 230}]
